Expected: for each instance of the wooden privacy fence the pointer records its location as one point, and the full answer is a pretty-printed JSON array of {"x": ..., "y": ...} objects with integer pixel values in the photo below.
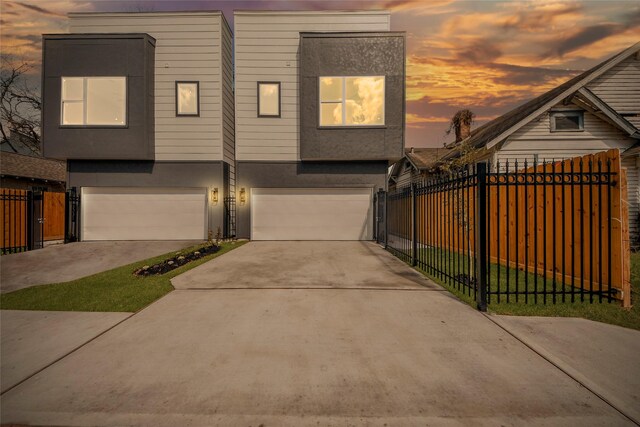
[
  {"x": 555, "y": 230},
  {"x": 30, "y": 218}
]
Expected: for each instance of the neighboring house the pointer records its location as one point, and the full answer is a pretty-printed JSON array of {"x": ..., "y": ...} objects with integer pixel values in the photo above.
[
  {"x": 320, "y": 103},
  {"x": 416, "y": 164},
  {"x": 595, "y": 111},
  {"x": 141, "y": 107},
  {"x": 22, "y": 172}
]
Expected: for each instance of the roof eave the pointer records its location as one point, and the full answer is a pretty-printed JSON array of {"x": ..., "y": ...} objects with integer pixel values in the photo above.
[{"x": 569, "y": 91}]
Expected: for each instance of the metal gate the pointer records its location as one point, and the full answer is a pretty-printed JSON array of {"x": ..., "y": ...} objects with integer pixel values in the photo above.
[
  {"x": 229, "y": 217},
  {"x": 22, "y": 226},
  {"x": 379, "y": 217}
]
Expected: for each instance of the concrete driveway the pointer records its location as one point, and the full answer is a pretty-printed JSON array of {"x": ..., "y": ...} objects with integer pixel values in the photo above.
[
  {"x": 304, "y": 265},
  {"x": 62, "y": 263},
  {"x": 391, "y": 354}
]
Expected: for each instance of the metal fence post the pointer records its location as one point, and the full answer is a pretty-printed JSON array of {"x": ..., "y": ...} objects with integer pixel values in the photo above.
[
  {"x": 30, "y": 220},
  {"x": 414, "y": 225},
  {"x": 481, "y": 236},
  {"x": 386, "y": 219},
  {"x": 67, "y": 216}
]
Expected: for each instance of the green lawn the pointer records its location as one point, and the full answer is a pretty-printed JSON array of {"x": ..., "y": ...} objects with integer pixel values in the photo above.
[
  {"x": 113, "y": 290},
  {"x": 603, "y": 312}
]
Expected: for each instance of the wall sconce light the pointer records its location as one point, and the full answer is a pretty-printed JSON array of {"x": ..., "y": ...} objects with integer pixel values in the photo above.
[
  {"x": 243, "y": 196},
  {"x": 214, "y": 195}
]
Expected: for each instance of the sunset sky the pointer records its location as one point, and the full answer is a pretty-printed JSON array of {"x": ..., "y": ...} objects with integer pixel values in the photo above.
[{"x": 487, "y": 56}]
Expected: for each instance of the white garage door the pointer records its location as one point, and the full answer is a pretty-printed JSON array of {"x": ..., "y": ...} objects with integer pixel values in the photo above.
[
  {"x": 117, "y": 213},
  {"x": 311, "y": 214}
]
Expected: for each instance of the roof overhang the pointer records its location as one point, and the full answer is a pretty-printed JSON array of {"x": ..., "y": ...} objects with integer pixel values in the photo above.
[
  {"x": 633, "y": 50},
  {"x": 590, "y": 102}
]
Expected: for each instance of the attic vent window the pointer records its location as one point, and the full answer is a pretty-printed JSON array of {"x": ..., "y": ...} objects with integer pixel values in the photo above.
[{"x": 567, "y": 121}]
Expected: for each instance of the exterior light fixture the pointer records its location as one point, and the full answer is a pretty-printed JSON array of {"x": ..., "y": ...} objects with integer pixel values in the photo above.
[
  {"x": 214, "y": 195},
  {"x": 243, "y": 196}
]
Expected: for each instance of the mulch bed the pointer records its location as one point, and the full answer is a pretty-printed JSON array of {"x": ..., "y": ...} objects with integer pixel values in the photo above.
[{"x": 178, "y": 260}]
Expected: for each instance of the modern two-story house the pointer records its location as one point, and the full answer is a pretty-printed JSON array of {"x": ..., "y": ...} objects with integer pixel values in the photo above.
[
  {"x": 141, "y": 107},
  {"x": 320, "y": 102}
]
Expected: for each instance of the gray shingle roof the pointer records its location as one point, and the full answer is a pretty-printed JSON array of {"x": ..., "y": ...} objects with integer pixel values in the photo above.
[
  {"x": 19, "y": 165},
  {"x": 425, "y": 158},
  {"x": 488, "y": 132}
]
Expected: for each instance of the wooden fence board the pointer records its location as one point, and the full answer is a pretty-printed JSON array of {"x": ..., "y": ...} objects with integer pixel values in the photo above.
[
  {"x": 53, "y": 216},
  {"x": 569, "y": 229}
]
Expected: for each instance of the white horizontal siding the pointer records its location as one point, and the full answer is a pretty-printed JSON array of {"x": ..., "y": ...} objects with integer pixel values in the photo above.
[
  {"x": 620, "y": 86},
  {"x": 537, "y": 138},
  {"x": 188, "y": 47},
  {"x": 265, "y": 42}
]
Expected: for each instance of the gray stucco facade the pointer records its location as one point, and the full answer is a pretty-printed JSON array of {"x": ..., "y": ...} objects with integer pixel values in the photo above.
[
  {"x": 302, "y": 175},
  {"x": 352, "y": 54},
  {"x": 95, "y": 55}
]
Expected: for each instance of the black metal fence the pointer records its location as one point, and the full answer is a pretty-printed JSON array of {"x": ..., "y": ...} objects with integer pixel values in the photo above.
[
  {"x": 229, "y": 217},
  {"x": 72, "y": 216},
  {"x": 22, "y": 224},
  {"x": 516, "y": 232}
]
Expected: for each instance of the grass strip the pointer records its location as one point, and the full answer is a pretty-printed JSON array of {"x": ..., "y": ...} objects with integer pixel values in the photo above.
[
  {"x": 116, "y": 290},
  {"x": 611, "y": 313}
]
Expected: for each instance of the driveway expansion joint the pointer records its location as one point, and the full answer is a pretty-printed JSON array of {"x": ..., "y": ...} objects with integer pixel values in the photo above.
[{"x": 565, "y": 369}]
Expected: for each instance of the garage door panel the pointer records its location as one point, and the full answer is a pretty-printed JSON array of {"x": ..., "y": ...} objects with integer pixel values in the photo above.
[
  {"x": 312, "y": 214},
  {"x": 110, "y": 213}
]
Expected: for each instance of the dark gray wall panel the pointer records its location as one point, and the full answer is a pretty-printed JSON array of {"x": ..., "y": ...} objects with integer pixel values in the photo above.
[
  {"x": 352, "y": 54},
  {"x": 302, "y": 175},
  {"x": 83, "y": 55}
]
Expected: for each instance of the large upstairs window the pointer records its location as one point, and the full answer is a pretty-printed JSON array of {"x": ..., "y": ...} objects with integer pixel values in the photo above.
[
  {"x": 352, "y": 101},
  {"x": 94, "y": 101}
]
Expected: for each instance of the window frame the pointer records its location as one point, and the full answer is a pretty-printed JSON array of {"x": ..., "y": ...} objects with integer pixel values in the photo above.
[
  {"x": 61, "y": 124},
  {"x": 566, "y": 113},
  {"x": 272, "y": 116},
  {"x": 344, "y": 104},
  {"x": 197, "y": 113}
]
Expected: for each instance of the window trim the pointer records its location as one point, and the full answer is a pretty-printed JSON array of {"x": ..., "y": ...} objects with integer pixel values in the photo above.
[
  {"x": 344, "y": 104},
  {"x": 125, "y": 125},
  {"x": 197, "y": 83},
  {"x": 566, "y": 113},
  {"x": 272, "y": 116}
]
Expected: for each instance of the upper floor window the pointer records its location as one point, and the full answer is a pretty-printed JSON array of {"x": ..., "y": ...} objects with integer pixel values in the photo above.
[
  {"x": 187, "y": 99},
  {"x": 268, "y": 99},
  {"x": 94, "y": 101},
  {"x": 567, "y": 121},
  {"x": 352, "y": 101}
]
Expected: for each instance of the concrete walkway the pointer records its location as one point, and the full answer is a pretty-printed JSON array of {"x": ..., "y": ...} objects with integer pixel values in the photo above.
[
  {"x": 304, "y": 265},
  {"x": 31, "y": 340},
  {"x": 62, "y": 263},
  {"x": 312, "y": 353},
  {"x": 606, "y": 358}
]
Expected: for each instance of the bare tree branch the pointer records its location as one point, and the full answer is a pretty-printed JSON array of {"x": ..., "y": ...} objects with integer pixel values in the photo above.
[{"x": 20, "y": 105}]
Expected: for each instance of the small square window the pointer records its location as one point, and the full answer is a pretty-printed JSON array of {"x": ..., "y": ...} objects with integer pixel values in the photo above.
[
  {"x": 187, "y": 99},
  {"x": 567, "y": 121},
  {"x": 268, "y": 99}
]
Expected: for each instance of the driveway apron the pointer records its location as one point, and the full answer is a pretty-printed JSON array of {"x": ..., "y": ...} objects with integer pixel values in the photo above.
[{"x": 387, "y": 348}]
